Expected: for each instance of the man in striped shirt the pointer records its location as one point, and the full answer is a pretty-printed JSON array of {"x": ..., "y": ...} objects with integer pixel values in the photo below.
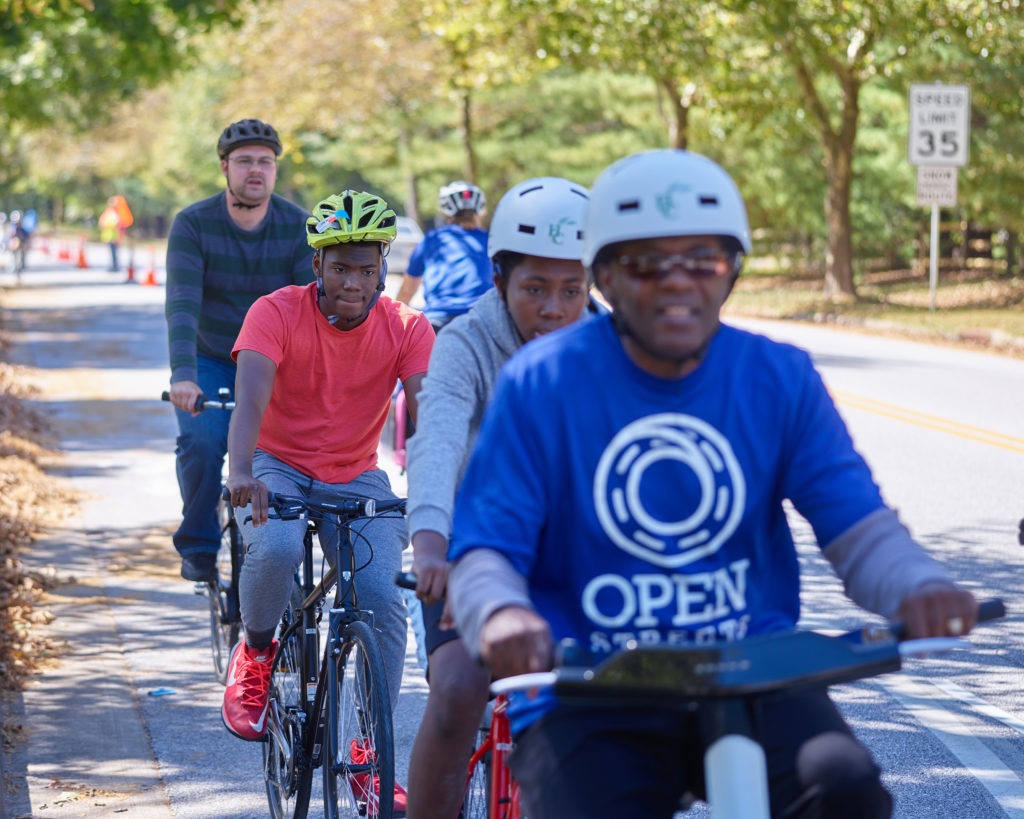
[{"x": 223, "y": 253}]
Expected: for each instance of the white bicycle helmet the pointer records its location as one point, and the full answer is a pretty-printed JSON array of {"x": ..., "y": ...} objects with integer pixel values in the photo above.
[
  {"x": 540, "y": 217},
  {"x": 460, "y": 195},
  {"x": 663, "y": 193}
]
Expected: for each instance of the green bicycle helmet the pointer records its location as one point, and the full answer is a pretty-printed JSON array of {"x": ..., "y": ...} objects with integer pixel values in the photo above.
[{"x": 351, "y": 216}]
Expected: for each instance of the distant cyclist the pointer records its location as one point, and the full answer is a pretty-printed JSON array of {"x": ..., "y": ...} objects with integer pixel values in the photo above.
[
  {"x": 316, "y": 369},
  {"x": 451, "y": 260},
  {"x": 627, "y": 485},
  {"x": 535, "y": 245},
  {"x": 223, "y": 253}
]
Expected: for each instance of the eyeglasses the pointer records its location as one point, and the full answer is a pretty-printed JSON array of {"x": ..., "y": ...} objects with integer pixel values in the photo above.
[
  {"x": 246, "y": 163},
  {"x": 702, "y": 263}
]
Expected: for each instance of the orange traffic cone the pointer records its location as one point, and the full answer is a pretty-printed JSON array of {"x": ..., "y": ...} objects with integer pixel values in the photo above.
[
  {"x": 64, "y": 254},
  {"x": 44, "y": 245},
  {"x": 82, "y": 263},
  {"x": 151, "y": 273}
]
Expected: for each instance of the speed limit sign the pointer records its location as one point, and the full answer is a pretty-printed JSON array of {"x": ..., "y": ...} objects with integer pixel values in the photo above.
[{"x": 940, "y": 124}]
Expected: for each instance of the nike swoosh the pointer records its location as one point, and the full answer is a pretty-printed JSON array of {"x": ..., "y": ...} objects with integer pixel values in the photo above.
[
  {"x": 258, "y": 725},
  {"x": 231, "y": 675}
]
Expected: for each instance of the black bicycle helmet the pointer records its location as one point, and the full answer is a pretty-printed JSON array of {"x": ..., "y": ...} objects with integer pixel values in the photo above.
[{"x": 248, "y": 132}]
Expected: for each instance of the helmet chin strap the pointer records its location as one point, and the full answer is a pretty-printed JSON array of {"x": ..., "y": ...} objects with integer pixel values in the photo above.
[
  {"x": 322, "y": 294},
  {"x": 238, "y": 203}
]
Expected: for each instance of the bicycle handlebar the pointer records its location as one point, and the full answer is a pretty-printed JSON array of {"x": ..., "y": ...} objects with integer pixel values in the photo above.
[
  {"x": 292, "y": 507},
  {"x": 204, "y": 403},
  {"x": 761, "y": 664}
]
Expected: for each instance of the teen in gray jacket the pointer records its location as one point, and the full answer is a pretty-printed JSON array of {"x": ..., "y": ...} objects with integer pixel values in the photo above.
[{"x": 535, "y": 244}]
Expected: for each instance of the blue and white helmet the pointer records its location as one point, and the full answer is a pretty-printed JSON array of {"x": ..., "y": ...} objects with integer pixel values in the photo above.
[
  {"x": 659, "y": 193},
  {"x": 540, "y": 217}
]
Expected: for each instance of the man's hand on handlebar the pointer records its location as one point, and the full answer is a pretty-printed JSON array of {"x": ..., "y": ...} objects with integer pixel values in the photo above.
[
  {"x": 516, "y": 640},
  {"x": 429, "y": 565},
  {"x": 184, "y": 395},
  {"x": 246, "y": 489},
  {"x": 938, "y": 610}
]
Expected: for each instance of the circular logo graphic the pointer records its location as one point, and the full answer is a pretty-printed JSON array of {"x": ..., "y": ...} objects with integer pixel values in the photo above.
[{"x": 653, "y": 458}]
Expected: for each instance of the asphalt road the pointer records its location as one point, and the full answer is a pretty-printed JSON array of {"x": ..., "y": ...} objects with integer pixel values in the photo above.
[{"x": 941, "y": 427}]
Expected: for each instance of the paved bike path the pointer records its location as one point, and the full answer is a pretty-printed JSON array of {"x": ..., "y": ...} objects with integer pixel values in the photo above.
[{"x": 126, "y": 720}]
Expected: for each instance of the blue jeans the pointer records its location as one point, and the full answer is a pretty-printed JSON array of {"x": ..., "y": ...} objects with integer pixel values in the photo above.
[{"x": 202, "y": 445}]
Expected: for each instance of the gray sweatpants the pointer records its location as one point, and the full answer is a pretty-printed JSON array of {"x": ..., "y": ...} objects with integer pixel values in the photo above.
[{"x": 273, "y": 553}]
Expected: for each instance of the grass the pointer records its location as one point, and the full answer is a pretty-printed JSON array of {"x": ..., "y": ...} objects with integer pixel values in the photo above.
[{"x": 973, "y": 307}]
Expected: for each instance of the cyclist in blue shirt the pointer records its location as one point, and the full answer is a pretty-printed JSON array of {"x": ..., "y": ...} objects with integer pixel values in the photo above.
[
  {"x": 627, "y": 484},
  {"x": 452, "y": 260}
]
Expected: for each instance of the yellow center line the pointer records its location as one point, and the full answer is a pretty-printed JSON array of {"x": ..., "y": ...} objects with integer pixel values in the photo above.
[{"x": 926, "y": 421}]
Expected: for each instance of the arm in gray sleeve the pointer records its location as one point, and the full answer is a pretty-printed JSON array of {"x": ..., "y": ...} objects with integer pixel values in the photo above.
[
  {"x": 480, "y": 583},
  {"x": 879, "y": 563},
  {"x": 450, "y": 408}
]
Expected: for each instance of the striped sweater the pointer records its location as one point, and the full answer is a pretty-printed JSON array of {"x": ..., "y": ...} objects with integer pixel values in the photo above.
[{"x": 216, "y": 270}]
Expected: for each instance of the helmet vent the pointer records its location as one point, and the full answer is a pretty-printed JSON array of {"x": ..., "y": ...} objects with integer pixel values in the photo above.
[
  {"x": 531, "y": 190},
  {"x": 366, "y": 219},
  {"x": 527, "y": 229},
  {"x": 709, "y": 200},
  {"x": 633, "y": 204}
]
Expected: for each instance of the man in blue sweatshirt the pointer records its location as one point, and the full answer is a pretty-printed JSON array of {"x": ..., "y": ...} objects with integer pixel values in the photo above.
[{"x": 627, "y": 485}]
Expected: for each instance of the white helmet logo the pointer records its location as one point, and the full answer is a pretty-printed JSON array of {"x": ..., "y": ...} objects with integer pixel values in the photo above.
[{"x": 713, "y": 469}]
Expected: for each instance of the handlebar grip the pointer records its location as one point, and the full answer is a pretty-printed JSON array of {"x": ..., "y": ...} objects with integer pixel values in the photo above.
[
  {"x": 165, "y": 396},
  {"x": 987, "y": 610},
  {"x": 991, "y": 610},
  {"x": 405, "y": 580}
]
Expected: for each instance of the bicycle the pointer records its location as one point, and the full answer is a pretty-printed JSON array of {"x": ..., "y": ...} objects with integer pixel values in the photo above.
[
  {"x": 222, "y": 593},
  {"x": 491, "y": 792},
  {"x": 331, "y": 710},
  {"x": 730, "y": 679}
]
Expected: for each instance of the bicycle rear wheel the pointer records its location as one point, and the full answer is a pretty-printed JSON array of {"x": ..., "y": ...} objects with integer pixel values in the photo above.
[
  {"x": 359, "y": 755},
  {"x": 285, "y": 766},
  {"x": 225, "y": 622}
]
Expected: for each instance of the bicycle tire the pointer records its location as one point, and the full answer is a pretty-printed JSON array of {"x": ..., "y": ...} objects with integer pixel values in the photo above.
[
  {"x": 286, "y": 771},
  {"x": 477, "y": 798},
  {"x": 225, "y": 623},
  {"x": 359, "y": 732}
]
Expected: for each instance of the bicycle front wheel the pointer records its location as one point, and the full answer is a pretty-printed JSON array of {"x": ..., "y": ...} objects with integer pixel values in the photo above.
[
  {"x": 359, "y": 756},
  {"x": 477, "y": 799},
  {"x": 286, "y": 769},
  {"x": 225, "y": 622}
]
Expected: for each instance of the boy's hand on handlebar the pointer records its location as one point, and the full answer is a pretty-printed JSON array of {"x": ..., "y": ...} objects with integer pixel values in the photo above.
[
  {"x": 184, "y": 395},
  {"x": 429, "y": 550},
  {"x": 938, "y": 610},
  {"x": 245, "y": 489},
  {"x": 516, "y": 640}
]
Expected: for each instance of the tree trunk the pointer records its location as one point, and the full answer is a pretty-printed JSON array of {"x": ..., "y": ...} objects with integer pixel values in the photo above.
[
  {"x": 412, "y": 200},
  {"x": 467, "y": 136},
  {"x": 837, "y": 143},
  {"x": 679, "y": 113},
  {"x": 839, "y": 267}
]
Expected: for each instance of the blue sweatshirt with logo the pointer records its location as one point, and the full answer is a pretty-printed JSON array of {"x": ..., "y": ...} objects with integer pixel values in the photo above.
[{"x": 650, "y": 509}]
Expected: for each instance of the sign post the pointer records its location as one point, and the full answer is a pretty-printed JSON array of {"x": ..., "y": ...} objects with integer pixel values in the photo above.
[{"x": 938, "y": 142}]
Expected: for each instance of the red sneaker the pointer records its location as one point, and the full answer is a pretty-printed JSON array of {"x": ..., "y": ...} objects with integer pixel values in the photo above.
[
  {"x": 248, "y": 685},
  {"x": 362, "y": 754}
]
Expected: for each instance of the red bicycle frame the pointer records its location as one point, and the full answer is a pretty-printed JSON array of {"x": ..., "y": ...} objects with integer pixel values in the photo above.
[{"x": 504, "y": 791}]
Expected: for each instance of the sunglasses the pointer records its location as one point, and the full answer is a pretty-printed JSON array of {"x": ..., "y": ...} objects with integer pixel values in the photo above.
[{"x": 703, "y": 263}]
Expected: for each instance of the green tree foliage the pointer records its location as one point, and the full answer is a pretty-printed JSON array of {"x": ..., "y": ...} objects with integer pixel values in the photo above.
[{"x": 680, "y": 47}]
